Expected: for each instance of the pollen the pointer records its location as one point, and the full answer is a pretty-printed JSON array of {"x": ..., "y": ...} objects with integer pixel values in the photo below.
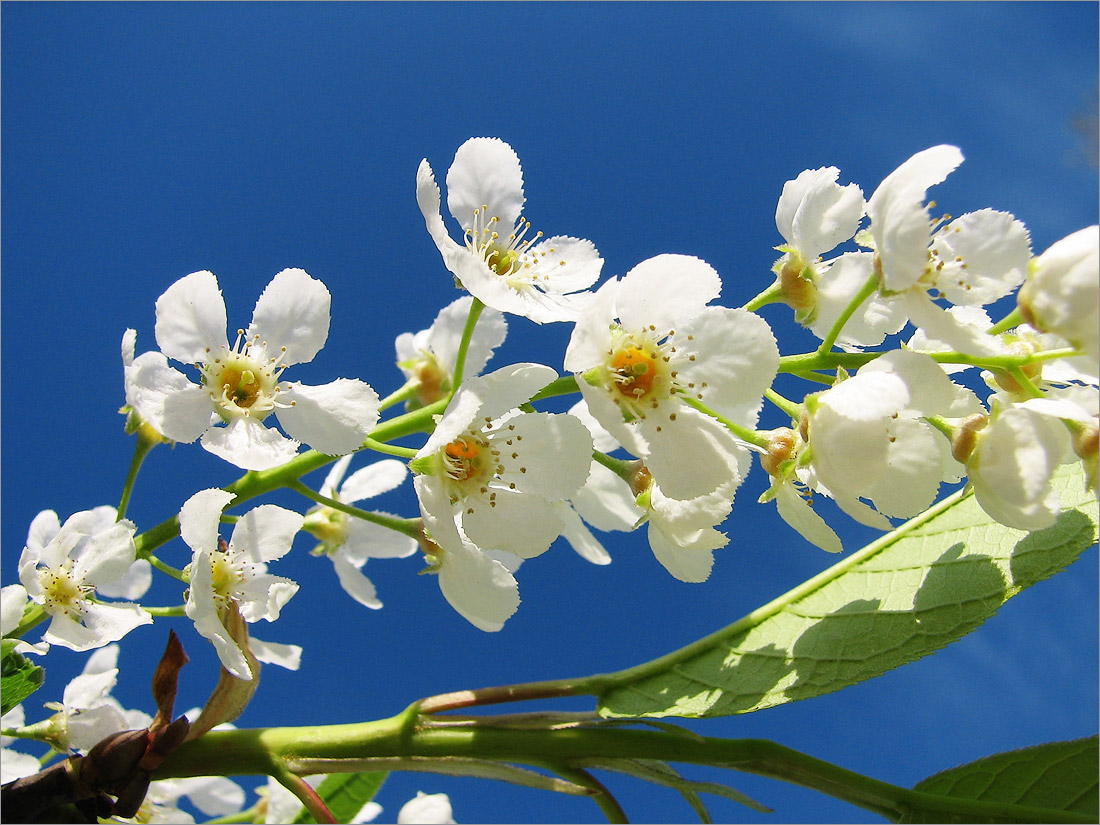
[{"x": 635, "y": 371}]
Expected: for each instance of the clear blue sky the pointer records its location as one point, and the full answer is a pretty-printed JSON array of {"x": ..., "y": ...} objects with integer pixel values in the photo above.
[{"x": 142, "y": 142}]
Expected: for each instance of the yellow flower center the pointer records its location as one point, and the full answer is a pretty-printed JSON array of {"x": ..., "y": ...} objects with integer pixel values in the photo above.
[{"x": 241, "y": 384}]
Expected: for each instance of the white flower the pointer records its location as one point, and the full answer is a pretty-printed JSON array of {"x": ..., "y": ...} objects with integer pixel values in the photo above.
[
  {"x": 62, "y": 568},
  {"x": 900, "y": 459},
  {"x": 242, "y": 384},
  {"x": 1062, "y": 291},
  {"x": 501, "y": 472},
  {"x": 14, "y": 601},
  {"x": 971, "y": 261},
  {"x": 428, "y": 358},
  {"x": 236, "y": 572},
  {"x": 648, "y": 342},
  {"x": 350, "y": 541},
  {"x": 426, "y": 809},
  {"x": 500, "y": 262},
  {"x": 87, "y": 713},
  {"x": 489, "y": 481},
  {"x": 791, "y": 494}
]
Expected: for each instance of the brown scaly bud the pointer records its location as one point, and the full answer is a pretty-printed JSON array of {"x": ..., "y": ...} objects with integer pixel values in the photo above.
[{"x": 965, "y": 438}]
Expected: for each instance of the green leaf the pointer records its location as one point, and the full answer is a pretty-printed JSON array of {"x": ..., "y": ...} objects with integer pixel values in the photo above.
[
  {"x": 1058, "y": 776},
  {"x": 915, "y": 590},
  {"x": 345, "y": 794},
  {"x": 19, "y": 677}
]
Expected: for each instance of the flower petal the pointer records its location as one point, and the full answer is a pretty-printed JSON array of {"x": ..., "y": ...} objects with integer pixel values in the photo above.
[
  {"x": 485, "y": 173},
  {"x": 199, "y": 518},
  {"x": 191, "y": 318},
  {"x": 250, "y": 445},
  {"x": 293, "y": 312},
  {"x": 480, "y": 588},
  {"x": 373, "y": 480},
  {"x": 265, "y": 533},
  {"x": 167, "y": 399},
  {"x": 355, "y": 584},
  {"x": 794, "y": 510},
  {"x": 666, "y": 290},
  {"x": 333, "y": 418},
  {"x": 524, "y": 525}
]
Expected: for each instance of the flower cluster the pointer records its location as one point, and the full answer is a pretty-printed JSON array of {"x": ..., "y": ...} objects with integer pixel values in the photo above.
[{"x": 671, "y": 390}]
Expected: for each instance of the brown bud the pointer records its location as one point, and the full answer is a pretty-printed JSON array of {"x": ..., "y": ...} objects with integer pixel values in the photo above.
[
  {"x": 782, "y": 446},
  {"x": 965, "y": 438}
]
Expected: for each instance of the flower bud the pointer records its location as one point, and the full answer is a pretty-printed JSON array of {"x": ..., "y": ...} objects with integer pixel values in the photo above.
[{"x": 1085, "y": 441}]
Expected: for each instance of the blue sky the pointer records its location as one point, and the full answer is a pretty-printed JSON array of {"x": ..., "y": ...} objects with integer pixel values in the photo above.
[{"x": 142, "y": 142}]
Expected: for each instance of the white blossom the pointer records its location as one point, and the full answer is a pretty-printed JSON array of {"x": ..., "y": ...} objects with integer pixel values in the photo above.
[
  {"x": 235, "y": 572},
  {"x": 241, "y": 384},
  {"x": 648, "y": 343},
  {"x": 87, "y": 712},
  {"x": 500, "y": 261},
  {"x": 63, "y": 566},
  {"x": 901, "y": 460},
  {"x": 351, "y": 541}
]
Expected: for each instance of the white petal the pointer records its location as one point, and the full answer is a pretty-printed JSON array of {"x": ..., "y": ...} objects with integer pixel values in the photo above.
[
  {"x": 485, "y": 173},
  {"x": 373, "y": 480},
  {"x": 250, "y": 445},
  {"x": 167, "y": 399},
  {"x": 688, "y": 564},
  {"x": 265, "y": 533},
  {"x": 191, "y": 318},
  {"x": 931, "y": 392},
  {"x": 199, "y": 518},
  {"x": 13, "y": 599},
  {"x": 264, "y": 596},
  {"x": 427, "y": 197},
  {"x": 505, "y": 389},
  {"x": 691, "y": 456},
  {"x": 358, "y": 586},
  {"x": 547, "y": 454},
  {"x": 941, "y": 325},
  {"x": 334, "y": 476},
  {"x": 129, "y": 343},
  {"x": 837, "y": 285},
  {"x": 815, "y": 213},
  {"x": 794, "y": 510},
  {"x": 737, "y": 357},
  {"x": 914, "y": 467},
  {"x": 606, "y": 502},
  {"x": 665, "y": 291},
  {"x": 426, "y": 809},
  {"x": 103, "y": 623},
  {"x": 273, "y": 653},
  {"x": 569, "y": 265},
  {"x": 480, "y": 588},
  {"x": 591, "y": 336},
  {"x": 108, "y": 555},
  {"x": 293, "y": 312},
  {"x": 333, "y": 418},
  {"x": 16, "y": 765},
  {"x": 44, "y": 527},
  {"x": 521, "y": 524},
  {"x": 899, "y": 218},
  {"x": 201, "y": 610},
  {"x": 983, "y": 256},
  {"x": 579, "y": 536},
  {"x": 373, "y": 541}
]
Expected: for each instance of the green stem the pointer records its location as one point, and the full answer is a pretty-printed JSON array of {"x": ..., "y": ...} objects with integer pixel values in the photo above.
[
  {"x": 142, "y": 448},
  {"x": 610, "y": 806},
  {"x": 1013, "y": 319},
  {"x": 621, "y": 467},
  {"x": 177, "y": 610},
  {"x": 357, "y": 747},
  {"x": 397, "y": 396},
  {"x": 407, "y": 526},
  {"x": 789, "y": 407},
  {"x": 389, "y": 449},
  {"x": 773, "y": 294},
  {"x": 165, "y": 568},
  {"x": 564, "y": 385},
  {"x": 464, "y": 345},
  {"x": 869, "y": 287}
]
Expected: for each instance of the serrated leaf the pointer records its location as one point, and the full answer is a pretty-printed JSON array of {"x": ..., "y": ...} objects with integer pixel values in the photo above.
[
  {"x": 1059, "y": 776},
  {"x": 345, "y": 794},
  {"x": 910, "y": 593},
  {"x": 20, "y": 678}
]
